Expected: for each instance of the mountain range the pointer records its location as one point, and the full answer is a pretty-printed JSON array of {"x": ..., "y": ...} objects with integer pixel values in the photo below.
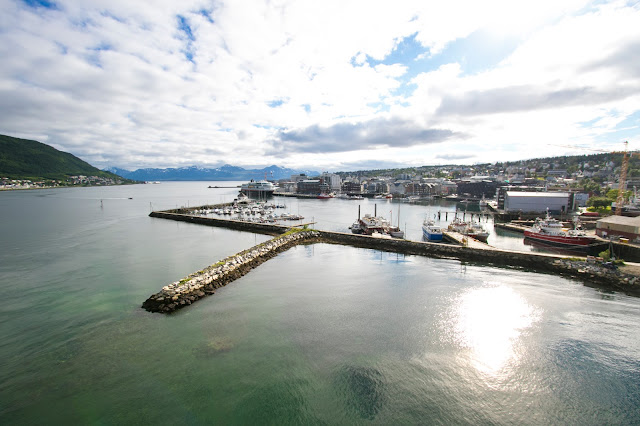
[{"x": 226, "y": 172}]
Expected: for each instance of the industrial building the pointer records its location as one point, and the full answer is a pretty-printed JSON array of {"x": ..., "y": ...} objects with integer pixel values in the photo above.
[
  {"x": 619, "y": 226},
  {"x": 477, "y": 189},
  {"x": 312, "y": 186},
  {"x": 537, "y": 202}
]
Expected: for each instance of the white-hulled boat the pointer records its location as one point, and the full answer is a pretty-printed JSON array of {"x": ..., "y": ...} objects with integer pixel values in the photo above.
[
  {"x": 551, "y": 231},
  {"x": 470, "y": 229}
]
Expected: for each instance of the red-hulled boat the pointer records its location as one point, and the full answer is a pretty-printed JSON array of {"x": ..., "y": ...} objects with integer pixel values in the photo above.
[{"x": 550, "y": 231}]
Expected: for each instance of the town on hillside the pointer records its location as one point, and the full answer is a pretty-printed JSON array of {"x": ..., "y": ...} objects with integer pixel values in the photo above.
[
  {"x": 79, "y": 180},
  {"x": 587, "y": 182},
  {"x": 590, "y": 185}
]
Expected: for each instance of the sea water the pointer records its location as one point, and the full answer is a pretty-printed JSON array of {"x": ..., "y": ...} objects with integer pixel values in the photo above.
[{"x": 321, "y": 334}]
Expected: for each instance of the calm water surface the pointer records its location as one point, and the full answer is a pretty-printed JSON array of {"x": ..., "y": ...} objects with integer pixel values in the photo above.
[{"x": 320, "y": 334}]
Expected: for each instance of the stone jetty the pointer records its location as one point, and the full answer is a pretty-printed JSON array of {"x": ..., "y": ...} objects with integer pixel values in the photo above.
[{"x": 203, "y": 283}]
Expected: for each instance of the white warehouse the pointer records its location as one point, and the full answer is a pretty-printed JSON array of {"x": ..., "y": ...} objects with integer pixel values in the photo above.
[{"x": 537, "y": 202}]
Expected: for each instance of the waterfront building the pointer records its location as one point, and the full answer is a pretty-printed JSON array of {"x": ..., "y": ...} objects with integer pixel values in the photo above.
[
  {"x": 286, "y": 187},
  {"x": 538, "y": 202},
  {"x": 619, "y": 226},
  {"x": 398, "y": 187},
  {"x": 580, "y": 199},
  {"x": 501, "y": 192},
  {"x": 376, "y": 186},
  {"x": 351, "y": 187},
  {"x": 312, "y": 186},
  {"x": 333, "y": 180},
  {"x": 447, "y": 188},
  {"x": 478, "y": 189},
  {"x": 421, "y": 189}
]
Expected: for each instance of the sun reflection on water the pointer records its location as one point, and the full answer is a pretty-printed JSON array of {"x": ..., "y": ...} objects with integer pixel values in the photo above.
[{"x": 489, "y": 321}]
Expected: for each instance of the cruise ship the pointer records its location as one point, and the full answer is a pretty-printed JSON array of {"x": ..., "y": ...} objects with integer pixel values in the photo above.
[{"x": 261, "y": 188}]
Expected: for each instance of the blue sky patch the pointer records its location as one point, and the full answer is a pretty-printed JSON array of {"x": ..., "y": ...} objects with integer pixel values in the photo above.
[
  {"x": 478, "y": 52},
  {"x": 41, "y": 3},
  {"x": 185, "y": 29},
  {"x": 627, "y": 129},
  {"x": 275, "y": 103},
  {"x": 206, "y": 14}
]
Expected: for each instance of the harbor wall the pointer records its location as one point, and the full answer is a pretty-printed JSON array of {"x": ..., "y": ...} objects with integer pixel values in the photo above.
[
  {"x": 182, "y": 215},
  {"x": 593, "y": 272},
  {"x": 200, "y": 284}
]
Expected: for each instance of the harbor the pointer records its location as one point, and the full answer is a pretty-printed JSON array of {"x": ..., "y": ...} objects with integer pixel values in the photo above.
[
  {"x": 306, "y": 323},
  {"x": 464, "y": 248}
]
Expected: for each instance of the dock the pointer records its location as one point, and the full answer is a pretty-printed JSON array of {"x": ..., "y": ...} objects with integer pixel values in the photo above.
[
  {"x": 465, "y": 241},
  {"x": 511, "y": 227}
]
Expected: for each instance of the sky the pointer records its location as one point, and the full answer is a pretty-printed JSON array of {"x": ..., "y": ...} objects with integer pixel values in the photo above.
[{"x": 334, "y": 85}]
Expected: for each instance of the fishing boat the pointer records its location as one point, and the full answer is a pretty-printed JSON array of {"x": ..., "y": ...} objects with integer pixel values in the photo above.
[
  {"x": 431, "y": 231},
  {"x": 550, "y": 231},
  {"x": 325, "y": 196},
  {"x": 469, "y": 229},
  {"x": 374, "y": 225}
]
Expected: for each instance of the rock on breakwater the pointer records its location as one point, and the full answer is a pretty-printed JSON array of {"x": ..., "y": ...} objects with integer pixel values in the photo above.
[{"x": 202, "y": 283}]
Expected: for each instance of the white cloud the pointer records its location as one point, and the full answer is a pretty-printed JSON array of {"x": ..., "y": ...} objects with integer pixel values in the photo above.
[{"x": 137, "y": 84}]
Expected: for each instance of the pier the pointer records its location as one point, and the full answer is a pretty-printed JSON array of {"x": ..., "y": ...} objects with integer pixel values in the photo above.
[
  {"x": 203, "y": 283},
  {"x": 463, "y": 240}
]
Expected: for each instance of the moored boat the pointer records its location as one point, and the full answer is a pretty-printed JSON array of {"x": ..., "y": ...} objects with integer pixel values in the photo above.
[
  {"x": 551, "y": 231},
  {"x": 431, "y": 231},
  {"x": 355, "y": 227},
  {"x": 469, "y": 229},
  {"x": 261, "y": 188},
  {"x": 370, "y": 225},
  {"x": 325, "y": 196},
  {"x": 395, "y": 232}
]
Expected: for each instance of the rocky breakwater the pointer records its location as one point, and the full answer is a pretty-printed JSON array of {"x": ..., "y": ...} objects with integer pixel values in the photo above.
[
  {"x": 199, "y": 284},
  {"x": 599, "y": 273}
]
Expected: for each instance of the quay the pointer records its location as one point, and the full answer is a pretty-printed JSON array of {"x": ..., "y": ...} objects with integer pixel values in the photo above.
[
  {"x": 463, "y": 240},
  {"x": 511, "y": 227},
  {"x": 295, "y": 195},
  {"x": 202, "y": 283}
]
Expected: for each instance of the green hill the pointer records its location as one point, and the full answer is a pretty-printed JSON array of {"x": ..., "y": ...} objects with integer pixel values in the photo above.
[{"x": 27, "y": 159}]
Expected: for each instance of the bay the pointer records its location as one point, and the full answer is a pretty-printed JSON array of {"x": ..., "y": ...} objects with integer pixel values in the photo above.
[{"x": 319, "y": 334}]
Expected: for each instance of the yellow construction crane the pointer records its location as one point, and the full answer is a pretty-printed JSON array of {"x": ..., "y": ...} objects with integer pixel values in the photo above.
[
  {"x": 623, "y": 171},
  {"x": 623, "y": 180}
]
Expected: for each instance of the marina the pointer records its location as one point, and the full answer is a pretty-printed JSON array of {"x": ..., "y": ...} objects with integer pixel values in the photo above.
[{"x": 373, "y": 232}]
